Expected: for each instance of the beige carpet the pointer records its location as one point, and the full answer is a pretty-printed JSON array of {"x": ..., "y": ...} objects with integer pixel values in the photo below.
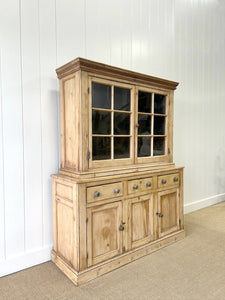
[{"x": 193, "y": 268}]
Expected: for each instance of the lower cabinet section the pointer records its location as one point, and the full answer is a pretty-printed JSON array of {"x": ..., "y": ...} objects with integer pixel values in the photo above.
[
  {"x": 104, "y": 237},
  {"x": 100, "y": 225}
]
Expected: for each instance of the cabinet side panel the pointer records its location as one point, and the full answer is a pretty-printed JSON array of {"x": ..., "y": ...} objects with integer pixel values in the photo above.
[
  {"x": 54, "y": 221},
  {"x": 181, "y": 203},
  {"x": 76, "y": 220},
  {"x": 65, "y": 231},
  {"x": 82, "y": 226},
  {"x": 71, "y": 122}
]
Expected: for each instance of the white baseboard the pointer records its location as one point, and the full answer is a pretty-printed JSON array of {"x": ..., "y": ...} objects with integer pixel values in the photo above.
[
  {"x": 190, "y": 207},
  {"x": 25, "y": 260}
]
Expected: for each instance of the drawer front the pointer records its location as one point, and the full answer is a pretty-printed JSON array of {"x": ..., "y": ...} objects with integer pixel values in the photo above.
[
  {"x": 166, "y": 181},
  {"x": 101, "y": 192},
  {"x": 140, "y": 185}
]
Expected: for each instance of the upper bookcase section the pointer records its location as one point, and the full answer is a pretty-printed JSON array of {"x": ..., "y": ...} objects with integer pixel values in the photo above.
[{"x": 113, "y": 119}]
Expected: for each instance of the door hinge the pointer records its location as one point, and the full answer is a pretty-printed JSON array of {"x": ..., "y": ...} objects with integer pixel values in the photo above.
[
  {"x": 88, "y": 155},
  {"x": 179, "y": 221},
  {"x": 88, "y": 90},
  {"x": 168, "y": 150},
  {"x": 86, "y": 220},
  {"x": 87, "y": 255}
]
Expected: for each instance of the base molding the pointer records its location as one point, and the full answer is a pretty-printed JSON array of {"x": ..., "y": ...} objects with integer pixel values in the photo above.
[
  {"x": 25, "y": 260},
  {"x": 93, "y": 272},
  {"x": 203, "y": 203}
]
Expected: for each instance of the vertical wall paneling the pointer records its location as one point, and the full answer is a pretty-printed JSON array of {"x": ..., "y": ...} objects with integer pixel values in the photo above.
[
  {"x": 2, "y": 188},
  {"x": 13, "y": 127},
  {"x": 32, "y": 123},
  {"x": 70, "y": 29},
  {"x": 117, "y": 32},
  {"x": 98, "y": 18},
  {"x": 49, "y": 109},
  {"x": 121, "y": 34}
]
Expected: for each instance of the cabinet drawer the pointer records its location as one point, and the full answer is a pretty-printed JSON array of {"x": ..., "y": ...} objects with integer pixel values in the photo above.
[
  {"x": 168, "y": 180},
  {"x": 140, "y": 185},
  {"x": 106, "y": 191}
]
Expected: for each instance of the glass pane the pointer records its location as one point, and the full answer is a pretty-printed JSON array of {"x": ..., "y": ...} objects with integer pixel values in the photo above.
[
  {"x": 159, "y": 125},
  {"x": 101, "y": 122},
  {"x": 101, "y": 95},
  {"x": 159, "y": 146},
  {"x": 144, "y": 146},
  {"x": 144, "y": 102},
  {"x": 144, "y": 122},
  {"x": 121, "y": 99},
  {"x": 121, "y": 147},
  {"x": 101, "y": 148},
  {"x": 159, "y": 104},
  {"x": 121, "y": 123}
]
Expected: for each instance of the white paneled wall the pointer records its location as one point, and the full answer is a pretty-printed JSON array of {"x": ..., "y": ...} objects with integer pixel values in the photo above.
[{"x": 178, "y": 40}]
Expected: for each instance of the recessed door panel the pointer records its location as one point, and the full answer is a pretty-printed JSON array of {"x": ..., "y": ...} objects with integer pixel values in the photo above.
[
  {"x": 104, "y": 237},
  {"x": 168, "y": 211},
  {"x": 141, "y": 220}
]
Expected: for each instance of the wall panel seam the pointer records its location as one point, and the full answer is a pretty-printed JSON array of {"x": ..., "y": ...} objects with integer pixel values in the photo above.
[
  {"x": 22, "y": 117},
  {"x": 85, "y": 28},
  {"x": 3, "y": 166},
  {"x": 58, "y": 117},
  {"x": 41, "y": 122}
]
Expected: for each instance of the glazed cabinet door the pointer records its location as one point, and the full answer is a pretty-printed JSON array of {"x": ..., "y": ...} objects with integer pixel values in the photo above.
[
  {"x": 168, "y": 211},
  {"x": 104, "y": 234},
  {"x": 140, "y": 210}
]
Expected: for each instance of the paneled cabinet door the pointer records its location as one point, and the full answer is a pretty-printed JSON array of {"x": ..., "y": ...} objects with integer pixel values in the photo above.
[
  {"x": 168, "y": 211},
  {"x": 140, "y": 221},
  {"x": 104, "y": 238}
]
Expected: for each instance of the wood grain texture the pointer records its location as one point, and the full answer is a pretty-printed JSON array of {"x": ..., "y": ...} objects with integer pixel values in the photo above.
[
  {"x": 105, "y": 191},
  {"x": 168, "y": 207},
  {"x": 80, "y": 278},
  {"x": 141, "y": 220},
  {"x": 118, "y": 73},
  {"x": 103, "y": 236},
  {"x": 97, "y": 235}
]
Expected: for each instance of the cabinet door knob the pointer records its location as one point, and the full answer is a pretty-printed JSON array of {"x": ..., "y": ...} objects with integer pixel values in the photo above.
[
  {"x": 159, "y": 215},
  {"x": 96, "y": 194},
  {"x": 121, "y": 228},
  {"x": 116, "y": 190},
  {"x": 175, "y": 179},
  {"x": 148, "y": 184},
  {"x": 163, "y": 181},
  {"x": 135, "y": 186}
]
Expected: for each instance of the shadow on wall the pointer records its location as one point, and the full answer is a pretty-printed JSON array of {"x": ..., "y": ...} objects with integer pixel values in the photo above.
[{"x": 220, "y": 172}]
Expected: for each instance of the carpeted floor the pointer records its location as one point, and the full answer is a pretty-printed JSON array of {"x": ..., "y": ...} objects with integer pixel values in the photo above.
[{"x": 193, "y": 268}]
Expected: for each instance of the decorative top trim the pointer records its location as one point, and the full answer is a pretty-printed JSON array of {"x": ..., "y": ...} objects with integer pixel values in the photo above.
[{"x": 107, "y": 70}]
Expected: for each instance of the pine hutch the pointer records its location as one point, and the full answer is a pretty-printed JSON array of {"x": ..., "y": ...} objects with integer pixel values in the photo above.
[{"x": 118, "y": 195}]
